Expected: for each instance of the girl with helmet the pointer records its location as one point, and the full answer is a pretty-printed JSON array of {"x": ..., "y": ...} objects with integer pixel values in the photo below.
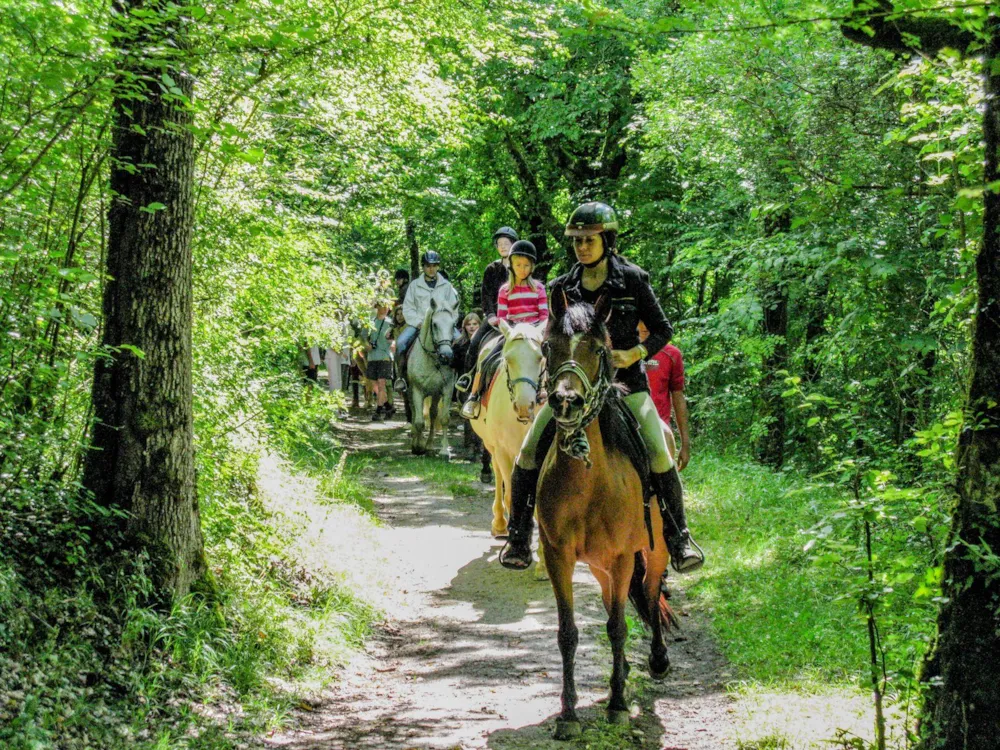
[
  {"x": 600, "y": 272},
  {"x": 493, "y": 278},
  {"x": 521, "y": 299}
]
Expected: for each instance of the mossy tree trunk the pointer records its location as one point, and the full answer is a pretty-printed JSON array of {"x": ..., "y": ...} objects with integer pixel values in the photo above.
[
  {"x": 962, "y": 669},
  {"x": 142, "y": 456},
  {"x": 960, "y": 672}
]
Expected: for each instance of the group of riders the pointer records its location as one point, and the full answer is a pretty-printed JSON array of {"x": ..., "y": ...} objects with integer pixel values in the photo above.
[{"x": 510, "y": 293}]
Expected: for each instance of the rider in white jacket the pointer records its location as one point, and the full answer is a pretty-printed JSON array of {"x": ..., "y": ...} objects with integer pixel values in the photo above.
[{"x": 424, "y": 288}]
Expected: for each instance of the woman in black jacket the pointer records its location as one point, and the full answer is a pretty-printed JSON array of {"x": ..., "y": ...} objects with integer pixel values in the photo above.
[{"x": 600, "y": 272}]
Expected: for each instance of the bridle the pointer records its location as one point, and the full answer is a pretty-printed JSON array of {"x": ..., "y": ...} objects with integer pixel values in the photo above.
[
  {"x": 511, "y": 382},
  {"x": 434, "y": 353},
  {"x": 594, "y": 393}
]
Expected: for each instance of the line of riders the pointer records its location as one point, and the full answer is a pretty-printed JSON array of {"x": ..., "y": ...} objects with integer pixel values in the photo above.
[{"x": 510, "y": 293}]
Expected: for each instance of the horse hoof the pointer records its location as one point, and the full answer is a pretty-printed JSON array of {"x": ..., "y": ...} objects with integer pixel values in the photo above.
[
  {"x": 500, "y": 534},
  {"x": 658, "y": 669},
  {"x": 618, "y": 716},
  {"x": 445, "y": 456},
  {"x": 567, "y": 730},
  {"x": 541, "y": 574}
]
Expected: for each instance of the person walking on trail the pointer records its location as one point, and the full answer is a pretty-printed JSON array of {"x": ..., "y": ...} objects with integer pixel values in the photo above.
[
  {"x": 380, "y": 360},
  {"x": 598, "y": 272},
  {"x": 401, "y": 280},
  {"x": 521, "y": 299},
  {"x": 494, "y": 276},
  {"x": 665, "y": 371},
  {"x": 430, "y": 285}
]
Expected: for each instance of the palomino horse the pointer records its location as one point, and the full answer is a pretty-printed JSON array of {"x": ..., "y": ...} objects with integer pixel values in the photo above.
[
  {"x": 429, "y": 375},
  {"x": 590, "y": 506},
  {"x": 507, "y": 412}
]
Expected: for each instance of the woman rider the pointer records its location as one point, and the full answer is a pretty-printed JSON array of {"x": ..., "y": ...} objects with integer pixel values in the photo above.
[{"x": 600, "y": 271}]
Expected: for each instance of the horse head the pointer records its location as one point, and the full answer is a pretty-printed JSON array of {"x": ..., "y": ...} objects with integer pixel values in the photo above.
[
  {"x": 522, "y": 354},
  {"x": 578, "y": 349},
  {"x": 438, "y": 331}
]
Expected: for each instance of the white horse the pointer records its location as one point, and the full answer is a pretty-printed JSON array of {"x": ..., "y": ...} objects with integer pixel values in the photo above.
[
  {"x": 506, "y": 415},
  {"x": 429, "y": 374}
]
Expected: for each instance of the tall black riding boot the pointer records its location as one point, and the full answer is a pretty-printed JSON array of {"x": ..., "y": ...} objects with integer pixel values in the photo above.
[
  {"x": 516, "y": 554},
  {"x": 685, "y": 554}
]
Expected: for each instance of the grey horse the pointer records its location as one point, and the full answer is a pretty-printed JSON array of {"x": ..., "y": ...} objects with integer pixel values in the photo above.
[{"x": 430, "y": 374}]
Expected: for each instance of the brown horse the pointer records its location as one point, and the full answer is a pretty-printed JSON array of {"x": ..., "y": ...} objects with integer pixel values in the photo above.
[{"x": 590, "y": 505}]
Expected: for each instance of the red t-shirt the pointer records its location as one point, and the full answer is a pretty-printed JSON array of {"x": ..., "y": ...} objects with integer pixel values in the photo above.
[{"x": 669, "y": 376}]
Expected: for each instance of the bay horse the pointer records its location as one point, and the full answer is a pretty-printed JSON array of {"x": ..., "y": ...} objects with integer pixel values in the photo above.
[
  {"x": 507, "y": 411},
  {"x": 590, "y": 504},
  {"x": 429, "y": 374}
]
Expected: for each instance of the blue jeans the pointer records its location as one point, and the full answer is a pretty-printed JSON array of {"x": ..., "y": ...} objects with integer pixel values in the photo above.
[{"x": 404, "y": 341}]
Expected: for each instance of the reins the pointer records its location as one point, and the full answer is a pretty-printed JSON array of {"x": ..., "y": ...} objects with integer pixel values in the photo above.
[{"x": 574, "y": 442}]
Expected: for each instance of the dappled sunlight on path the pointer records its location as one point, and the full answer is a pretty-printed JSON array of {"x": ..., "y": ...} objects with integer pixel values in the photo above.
[{"x": 468, "y": 657}]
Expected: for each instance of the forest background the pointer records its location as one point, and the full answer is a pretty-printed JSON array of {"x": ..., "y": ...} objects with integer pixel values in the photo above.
[{"x": 809, "y": 209}]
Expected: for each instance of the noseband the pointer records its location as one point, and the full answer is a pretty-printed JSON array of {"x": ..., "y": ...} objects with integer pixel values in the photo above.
[
  {"x": 511, "y": 382},
  {"x": 574, "y": 442}
]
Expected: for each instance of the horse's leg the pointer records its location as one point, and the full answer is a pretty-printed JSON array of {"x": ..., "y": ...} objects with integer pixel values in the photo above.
[
  {"x": 445, "y": 413},
  {"x": 432, "y": 418},
  {"x": 486, "y": 472},
  {"x": 561, "y": 562},
  {"x": 417, "y": 424},
  {"x": 541, "y": 571},
  {"x": 501, "y": 501},
  {"x": 620, "y": 577},
  {"x": 659, "y": 661}
]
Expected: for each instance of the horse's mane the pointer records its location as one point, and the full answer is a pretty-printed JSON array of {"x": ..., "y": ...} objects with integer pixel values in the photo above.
[{"x": 578, "y": 318}]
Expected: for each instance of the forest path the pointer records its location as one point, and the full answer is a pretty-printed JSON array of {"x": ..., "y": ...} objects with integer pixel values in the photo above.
[{"x": 468, "y": 655}]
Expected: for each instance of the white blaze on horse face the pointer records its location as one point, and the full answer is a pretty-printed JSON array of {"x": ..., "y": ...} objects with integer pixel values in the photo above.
[{"x": 524, "y": 360}]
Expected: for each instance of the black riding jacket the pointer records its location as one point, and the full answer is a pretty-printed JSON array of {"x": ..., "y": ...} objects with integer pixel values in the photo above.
[
  {"x": 494, "y": 277},
  {"x": 632, "y": 300}
]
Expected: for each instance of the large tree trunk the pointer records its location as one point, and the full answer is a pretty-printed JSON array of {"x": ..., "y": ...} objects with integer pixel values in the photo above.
[
  {"x": 142, "y": 456},
  {"x": 961, "y": 670}
]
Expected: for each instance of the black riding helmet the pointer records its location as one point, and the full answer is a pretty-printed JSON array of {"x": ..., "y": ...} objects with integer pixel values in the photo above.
[
  {"x": 594, "y": 218},
  {"x": 507, "y": 232},
  {"x": 431, "y": 258},
  {"x": 524, "y": 248}
]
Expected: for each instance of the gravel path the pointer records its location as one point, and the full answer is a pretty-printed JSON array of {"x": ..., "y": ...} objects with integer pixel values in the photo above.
[{"x": 468, "y": 658}]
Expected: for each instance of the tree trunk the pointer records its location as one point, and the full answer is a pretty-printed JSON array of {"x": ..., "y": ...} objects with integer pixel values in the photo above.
[
  {"x": 411, "y": 241},
  {"x": 960, "y": 672},
  {"x": 142, "y": 455},
  {"x": 770, "y": 448}
]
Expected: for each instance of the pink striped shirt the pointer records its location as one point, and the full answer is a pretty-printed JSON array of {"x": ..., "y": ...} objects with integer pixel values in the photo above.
[{"x": 526, "y": 304}]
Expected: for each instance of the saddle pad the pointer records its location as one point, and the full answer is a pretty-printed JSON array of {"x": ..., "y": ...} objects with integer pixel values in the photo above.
[
  {"x": 621, "y": 430},
  {"x": 489, "y": 370}
]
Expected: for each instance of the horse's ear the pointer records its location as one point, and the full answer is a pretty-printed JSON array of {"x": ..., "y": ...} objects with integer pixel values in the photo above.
[
  {"x": 602, "y": 310},
  {"x": 559, "y": 304},
  {"x": 504, "y": 327}
]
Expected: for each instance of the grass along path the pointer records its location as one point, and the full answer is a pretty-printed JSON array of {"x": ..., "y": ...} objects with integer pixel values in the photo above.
[{"x": 466, "y": 656}]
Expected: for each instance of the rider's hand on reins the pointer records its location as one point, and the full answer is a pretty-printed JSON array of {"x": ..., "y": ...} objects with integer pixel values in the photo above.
[{"x": 622, "y": 358}]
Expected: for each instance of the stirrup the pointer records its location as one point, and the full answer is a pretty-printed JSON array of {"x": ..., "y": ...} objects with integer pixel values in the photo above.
[
  {"x": 464, "y": 382},
  {"x": 472, "y": 408},
  {"x": 692, "y": 560},
  {"x": 516, "y": 556},
  {"x": 399, "y": 385}
]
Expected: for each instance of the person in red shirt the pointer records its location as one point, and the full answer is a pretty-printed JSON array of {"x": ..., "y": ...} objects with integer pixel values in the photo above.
[{"x": 665, "y": 372}]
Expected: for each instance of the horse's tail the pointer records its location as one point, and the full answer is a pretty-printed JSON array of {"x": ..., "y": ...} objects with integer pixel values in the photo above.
[{"x": 637, "y": 593}]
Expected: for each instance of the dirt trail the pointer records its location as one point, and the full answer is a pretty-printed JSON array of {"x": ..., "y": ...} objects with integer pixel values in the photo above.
[{"x": 468, "y": 658}]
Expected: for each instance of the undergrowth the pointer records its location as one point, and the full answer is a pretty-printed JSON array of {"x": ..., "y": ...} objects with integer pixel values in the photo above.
[{"x": 88, "y": 661}]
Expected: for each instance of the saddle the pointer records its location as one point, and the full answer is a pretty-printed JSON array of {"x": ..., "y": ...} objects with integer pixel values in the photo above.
[{"x": 488, "y": 370}]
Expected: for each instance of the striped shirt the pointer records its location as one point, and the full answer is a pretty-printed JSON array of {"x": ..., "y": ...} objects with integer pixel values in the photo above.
[{"x": 526, "y": 304}]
